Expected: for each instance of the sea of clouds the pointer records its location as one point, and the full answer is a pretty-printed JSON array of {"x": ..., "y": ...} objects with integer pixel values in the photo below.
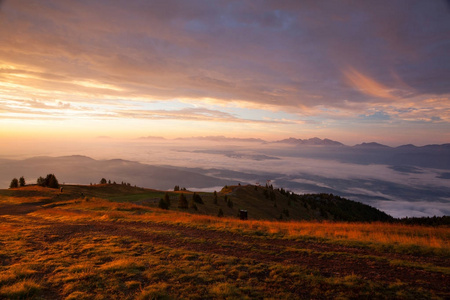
[{"x": 398, "y": 190}]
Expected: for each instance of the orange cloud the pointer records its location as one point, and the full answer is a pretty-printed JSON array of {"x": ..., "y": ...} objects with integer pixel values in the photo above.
[{"x": 367, "y": 85}]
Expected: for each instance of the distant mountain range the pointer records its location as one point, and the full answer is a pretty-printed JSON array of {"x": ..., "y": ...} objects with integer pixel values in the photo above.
[
  {"x": 315, "y": 141},
  {"x": 84, "y": 170},
  {"x": 310, "y": 142}
]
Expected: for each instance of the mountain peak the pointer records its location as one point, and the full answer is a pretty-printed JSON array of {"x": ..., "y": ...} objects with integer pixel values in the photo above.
[
  {"x": 315, "y": 141},
  {"x": 371, "y": 145}
]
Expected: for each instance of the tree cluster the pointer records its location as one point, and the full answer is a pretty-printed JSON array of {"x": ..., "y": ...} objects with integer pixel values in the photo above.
[
  {"x": 104, "y": 181},
  {"x": 49, "y": 181},
  {"x": 426, "y": 221},
  {"x": 164, "y": 203},
  {"x": 17, "y": 183},
  {"x": 177, "y": 188}
]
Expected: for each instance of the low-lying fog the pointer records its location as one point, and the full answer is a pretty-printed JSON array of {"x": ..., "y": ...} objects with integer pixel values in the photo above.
[{"x": 403, "y": 181}]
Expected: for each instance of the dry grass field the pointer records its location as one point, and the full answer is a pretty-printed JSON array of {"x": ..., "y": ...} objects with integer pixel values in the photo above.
[{"x": 68, "y": 246}]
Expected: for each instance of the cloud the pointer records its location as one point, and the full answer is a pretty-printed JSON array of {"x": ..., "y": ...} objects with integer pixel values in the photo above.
[
  {"x": 198, "y": 114},
  {"x": 367, "y": 85},
  {"x": 298, "y": 57}
]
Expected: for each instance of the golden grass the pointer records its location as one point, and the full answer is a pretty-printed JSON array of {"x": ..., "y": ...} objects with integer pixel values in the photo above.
[
  {"x": 23, "y": 288},
  {"x": 377, "y": 232},
  {"x": 122, "y": 264},
  {"x": 90, "y": 264}
]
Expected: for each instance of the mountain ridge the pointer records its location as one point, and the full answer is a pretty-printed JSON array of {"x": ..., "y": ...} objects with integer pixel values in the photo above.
[{"x": 315, "y": 141}]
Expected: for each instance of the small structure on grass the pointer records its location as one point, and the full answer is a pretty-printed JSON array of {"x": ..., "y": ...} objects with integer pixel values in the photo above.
[{"x": 243, "y": 214}]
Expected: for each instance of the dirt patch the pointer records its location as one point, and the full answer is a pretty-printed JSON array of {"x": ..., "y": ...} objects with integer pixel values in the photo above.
[{"x": 21, "y": 209}]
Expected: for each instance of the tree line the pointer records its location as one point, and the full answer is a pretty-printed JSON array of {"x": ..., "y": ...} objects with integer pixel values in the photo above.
[{"x": 49, "y": 181}]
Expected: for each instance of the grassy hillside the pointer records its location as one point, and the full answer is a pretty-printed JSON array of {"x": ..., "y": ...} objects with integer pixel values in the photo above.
[
  {"x": 81, "y": 245},
  {"x": 260, "y": 202}
]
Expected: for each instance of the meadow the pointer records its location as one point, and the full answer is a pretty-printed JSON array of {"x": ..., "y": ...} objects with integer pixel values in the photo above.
[{"x": 98, "y": 245}]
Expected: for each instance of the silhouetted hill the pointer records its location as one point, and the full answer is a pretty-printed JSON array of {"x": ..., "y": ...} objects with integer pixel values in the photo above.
[
  {"x": 268, "y": 203},
  {"x": 263, "y": 203},
  {"x": 85, "y": 170}
]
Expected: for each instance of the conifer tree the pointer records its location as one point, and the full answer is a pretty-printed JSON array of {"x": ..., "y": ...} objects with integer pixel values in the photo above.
[
  {"x": 22, "y": 181},
  {"x": 162, "y": 204},
  {"x": 193, "y": 205},
  {"x": 197, "y": 198},
  {"x": 51, "y": 181},
  {"x": 215, "y": 197},
  {"x": 220, "y": 213},
  {"x": 14, "y": 183},
  {"x": 40, "y": 181},
  {"x": 182, "y": 202},
  {"x": 167, "y": 199}
]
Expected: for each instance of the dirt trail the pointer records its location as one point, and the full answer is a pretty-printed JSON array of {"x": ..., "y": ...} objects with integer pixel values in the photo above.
[
  {"x": 328, "y": 259},
  {"x": 20, "y": 209}
]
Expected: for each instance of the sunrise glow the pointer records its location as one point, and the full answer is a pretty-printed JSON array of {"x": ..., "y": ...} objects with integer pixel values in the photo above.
[{"x": 233, "y": 69}]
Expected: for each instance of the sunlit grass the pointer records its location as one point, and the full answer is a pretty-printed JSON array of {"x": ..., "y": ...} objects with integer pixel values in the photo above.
[
  {"x": 79, "y": 263},
  {"x": 371, "y": 233},
  {"x": 21, "y": 289}
]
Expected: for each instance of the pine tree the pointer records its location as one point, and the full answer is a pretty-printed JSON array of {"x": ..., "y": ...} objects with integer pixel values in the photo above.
[
  {"x": 193, "y": 205},
  {"x": 22, "y": 181},
  {"x": 220, "y": 213},
  {"x": 272, "y": 195},
  {"x": 162, "y": 204},
  {"x": 197, "y": 198},
  {"x": 215, "y": 197},
  {"x": 167, "y": 199},
  {"x": 182, "y": 202},
  {"x": 14, "y": 183},
  {"x": 51, "y": 181},
  {"x": 40, "y": 181}
]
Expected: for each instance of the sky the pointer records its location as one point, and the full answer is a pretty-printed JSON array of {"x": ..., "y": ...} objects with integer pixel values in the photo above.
[{"x": 353, "y": 71}]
